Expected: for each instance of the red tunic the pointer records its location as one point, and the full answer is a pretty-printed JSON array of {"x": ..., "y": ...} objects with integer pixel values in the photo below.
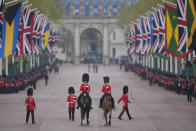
[
  {"x": 30, "y": 102},
  {"x": 125, "y": 99},
  {"x": 85, "y": 87},
  {"x": 72, "y": 99},
  {"x": 106, "y": 89}
]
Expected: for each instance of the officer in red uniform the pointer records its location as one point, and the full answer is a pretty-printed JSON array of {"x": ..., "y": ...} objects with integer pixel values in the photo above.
[
  {"x": 71, "y": 102},
  {"x": 30, "y": 105},
  {"x": 106, "y": 90},
  {"x": 85, "y": 86},
  {"x": 126, "y": 100}
]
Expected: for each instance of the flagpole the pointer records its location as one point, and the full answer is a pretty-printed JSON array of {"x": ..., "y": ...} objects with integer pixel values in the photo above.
[
  {"x": 169, "y": 3},
  {"x": 11, "y": 2}
]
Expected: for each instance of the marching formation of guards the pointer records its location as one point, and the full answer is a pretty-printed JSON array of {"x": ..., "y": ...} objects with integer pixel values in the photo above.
[
  {"x": 178, "y": 84},
  {"x": 15, "y": 84}
]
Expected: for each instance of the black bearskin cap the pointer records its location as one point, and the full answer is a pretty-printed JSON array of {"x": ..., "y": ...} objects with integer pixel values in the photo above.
[
  {"x": 85, "y": 77},
  {"x": 71, "y": 90},
  {"x": 106, "y": 79},
  {"x": 125, "y": 89},
  {"x": 30, "y": 92}
]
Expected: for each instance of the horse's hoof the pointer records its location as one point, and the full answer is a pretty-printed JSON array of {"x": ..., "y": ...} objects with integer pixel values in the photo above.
[
  {"x": 106, "y": 124},
  {"x": 81, "y": 123}
]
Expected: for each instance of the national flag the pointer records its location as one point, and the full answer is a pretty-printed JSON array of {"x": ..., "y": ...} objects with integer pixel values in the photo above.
[
  {"x": 105, "y": 7},
  {"x": 67, "y": 6},
  {"x": 10, "y": 29},
  {"x": 77, "y": 7},
  {"x": 182, "y": 24},
  {"x": 155, "y": 33},
  {"x": 132, "y": 2},
  {"x": 161, "y": 16},
  {"x": 148, "y": 25},
  {"x": 151, "y": 23},
  {"x": 87, "y": 7},
  {"x": 191, "y": 9},
  {"x": 122, "y": 3},
  {"x": 139, "y": 36},
  {"x": 46, "y": 32},
  {"x": 172, "y": 35},
  {"x": 25, "y": 32},
  {"x": 144, "y": 31},
  {"x": 95, "y": 7},
  {"x": 1, "y": 24},
  {"x": 133, "y": 38},
  {"x": 114, "y": 7}
]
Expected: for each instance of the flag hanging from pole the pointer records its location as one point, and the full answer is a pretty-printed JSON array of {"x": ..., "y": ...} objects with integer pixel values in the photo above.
[
  {"x": 95, "y": 7},
  {"x": 172, "y": 35},
  {"x": 67, "y": 6},
  {"x": 182, "y": 24},
  {"x": 77, "y": 7},
  {"x": 114, "y": 7},
  {"x": 105, "y": 7},
  {"x": 191, "y": 9},
  {"x": 87, "y": 8},
  {"x": 10, "y": 29}
]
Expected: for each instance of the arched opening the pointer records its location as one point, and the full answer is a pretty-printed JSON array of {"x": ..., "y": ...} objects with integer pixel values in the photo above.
[{"x": 91, "y": 46}]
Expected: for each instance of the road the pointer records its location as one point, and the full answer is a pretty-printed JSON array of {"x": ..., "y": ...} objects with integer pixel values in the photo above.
[{"x": 153, "y": 108}]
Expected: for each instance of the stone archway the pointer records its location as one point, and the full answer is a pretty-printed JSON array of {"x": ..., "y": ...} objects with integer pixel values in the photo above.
[{"x": 91, "y": 47}]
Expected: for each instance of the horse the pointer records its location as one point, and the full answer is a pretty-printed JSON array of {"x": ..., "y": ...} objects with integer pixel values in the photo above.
[
  {"x": 84, "y": 103},
  {"x": 107, "y": 108}
]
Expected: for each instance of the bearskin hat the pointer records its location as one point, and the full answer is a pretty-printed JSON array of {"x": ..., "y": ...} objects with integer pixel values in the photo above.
[
  {"x": 125, "y": 89},
  {"x": 106, "y": 79},
  {"x": 85, "y": 77},
  {"x": 71, "y": 90},
  {"x": 30, "y": 92}
]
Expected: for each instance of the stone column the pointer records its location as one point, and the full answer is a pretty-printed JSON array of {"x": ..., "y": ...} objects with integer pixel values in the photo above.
[
  {"x": 171, "y": 64},
  {"x": 1, "y": 63},
  {"x": 6, "y": 65},
  {"x": 105, "y": 45},
  {"x": 158, "y": 63},
  {"x": 162, "y": 64},
  {"x": 176, "y": 65},
  {"x": 30, "y": 60},
  {"x": 167, "y": 65},
  {"x": 77, "y": 45}
]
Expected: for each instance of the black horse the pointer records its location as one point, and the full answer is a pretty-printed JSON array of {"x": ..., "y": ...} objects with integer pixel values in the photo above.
[{"x": 84, "y": 103}]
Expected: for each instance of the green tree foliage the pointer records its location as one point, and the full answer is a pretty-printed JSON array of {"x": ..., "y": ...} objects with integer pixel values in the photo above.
[
  {"x": 50, "y": 8},
  {"x": 140, "y": 8}
]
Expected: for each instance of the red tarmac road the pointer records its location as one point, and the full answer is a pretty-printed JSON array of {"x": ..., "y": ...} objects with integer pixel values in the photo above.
[{"x": 153, "y": 108}]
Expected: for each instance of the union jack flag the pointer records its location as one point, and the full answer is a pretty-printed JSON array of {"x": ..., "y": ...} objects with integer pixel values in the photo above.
[
  {"x": 139, "y": 42},
  {"x": 133, "y": 37},
  {"x": 182, "y": 24},
  {"x": 148, "y": 25},
  {"x": 161, "y": 16},
  {"x": 25, "y": 32},
  {"x": 144, "y": 31},
  {"x": 1, "y": 23},
  {"x": 155, "y": 32}
]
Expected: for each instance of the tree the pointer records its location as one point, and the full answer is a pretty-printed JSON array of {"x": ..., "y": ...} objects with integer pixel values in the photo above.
[{"x": 129, "y": 14}]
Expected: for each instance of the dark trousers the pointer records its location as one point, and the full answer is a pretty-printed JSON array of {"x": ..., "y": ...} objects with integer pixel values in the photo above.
[
  {"x": 46, "y": 82},
  {"x": 32, "y": 115},
  {"x": 127, "y": 111},
  {"x": 71, "y": 113}
]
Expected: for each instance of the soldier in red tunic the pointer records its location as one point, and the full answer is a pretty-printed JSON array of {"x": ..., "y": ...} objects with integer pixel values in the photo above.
[
  {"x": 30, "y": 105},
  {"x": 106, "y": 90},
  {"x": 126, "y": 100},
  {"x": 85, "y": 86},
  {"x": 71, "y": 102}
]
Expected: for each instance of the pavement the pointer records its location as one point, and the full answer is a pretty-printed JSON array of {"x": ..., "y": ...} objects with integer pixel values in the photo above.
[{"x": 153, "y": 108}]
